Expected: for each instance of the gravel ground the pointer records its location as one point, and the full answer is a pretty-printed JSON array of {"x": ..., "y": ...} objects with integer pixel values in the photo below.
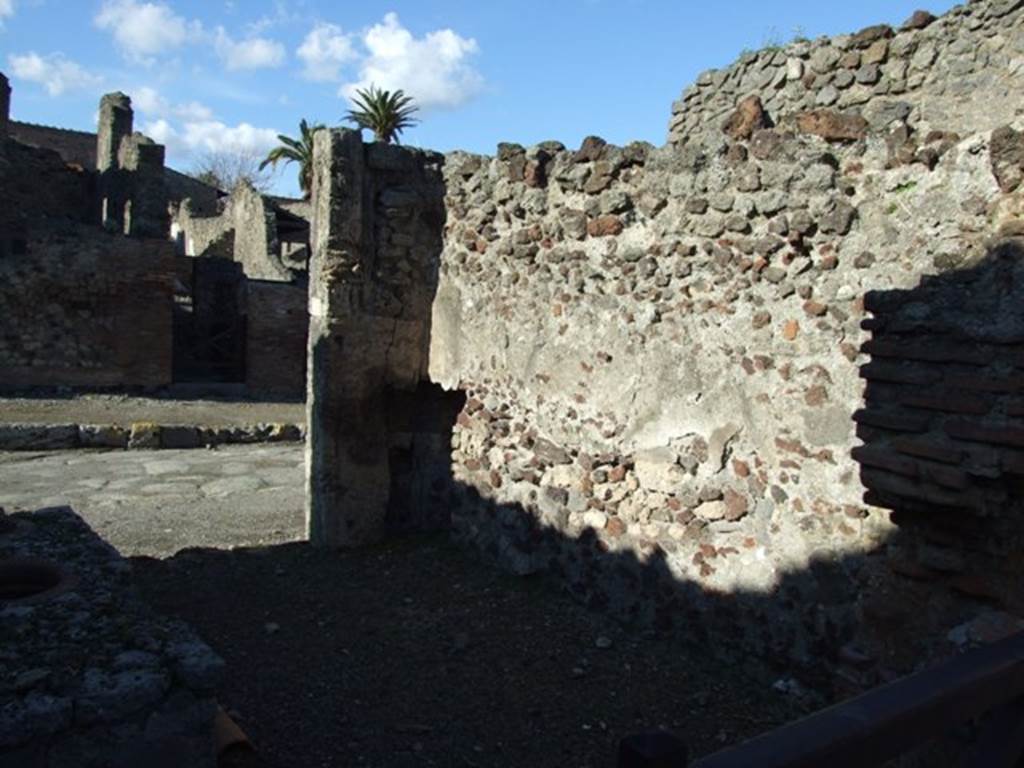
[
  {"x": 416, "y": 654},
  {"x": 122, "y": 410}
]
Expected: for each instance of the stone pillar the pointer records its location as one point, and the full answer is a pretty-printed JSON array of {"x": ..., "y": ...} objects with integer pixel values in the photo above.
[
  {"x": 347, "y": 476},
  {"x": 143, "y": 184},
  {"x": 115, "y": 126},
  {"x": 5, "y": 105}
]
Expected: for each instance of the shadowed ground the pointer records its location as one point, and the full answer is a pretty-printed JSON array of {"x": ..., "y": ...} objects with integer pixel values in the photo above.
[{"x": 413, "y": 653}]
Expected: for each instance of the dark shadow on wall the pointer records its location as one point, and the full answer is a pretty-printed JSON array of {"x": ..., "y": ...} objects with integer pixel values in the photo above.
[{"x": 943, "y": 433}]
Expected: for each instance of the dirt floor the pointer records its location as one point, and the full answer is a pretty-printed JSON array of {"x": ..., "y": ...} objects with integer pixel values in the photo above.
[
  {"x": 416, "y": 654},
  {"x": 122, "y": 410},
  {"x": 411, "y": 654}
]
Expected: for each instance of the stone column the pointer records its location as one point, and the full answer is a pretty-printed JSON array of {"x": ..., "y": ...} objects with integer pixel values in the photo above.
[
  {"x": 5, "y": 105},
  {"x": 347, "y": 476},
  {"x": 115, "y": 125},
  {"x": 142, "y": 182}
]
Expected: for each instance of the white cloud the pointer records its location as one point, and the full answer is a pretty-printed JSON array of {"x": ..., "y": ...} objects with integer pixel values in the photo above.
[
  {"x": 324, "y": 50},
  {"x": 55, "y": 72},
  {"x": 144, "y": 30},
  {"x": 211, "y": 136},
  {"x": 149, "y": 102},
  {"x": 251, "y": 53},
  {"x": 434, "y": 69},
  {"x": 6, "y": 9}
]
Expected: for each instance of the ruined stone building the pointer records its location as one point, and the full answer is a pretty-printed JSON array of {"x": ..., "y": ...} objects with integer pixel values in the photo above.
[
  {"x": 762, "y": 383},
  {"x": 189, "y": 284}
]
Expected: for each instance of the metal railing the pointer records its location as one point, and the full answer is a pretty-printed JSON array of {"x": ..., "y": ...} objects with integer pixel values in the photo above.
[{"x": 883, "y": 723}]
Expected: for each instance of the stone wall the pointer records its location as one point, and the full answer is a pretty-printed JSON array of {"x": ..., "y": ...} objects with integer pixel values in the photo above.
[
  {"x": 933, "y": 70},
  {"x": 661, "y": 348},
  {"x": 84, "y": 308},
  {"x": 5, "y": 106},
  {"x": 241, "y": 226},
  {"x": 75, "y": 147},
  {"x": 376, "y": 234},
  {"x": 92, "y": 677},
  {"x": 276, "y": 330}
]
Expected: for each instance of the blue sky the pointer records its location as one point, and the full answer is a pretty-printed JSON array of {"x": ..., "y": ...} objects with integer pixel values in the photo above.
[{"x": 208, "y": 75}]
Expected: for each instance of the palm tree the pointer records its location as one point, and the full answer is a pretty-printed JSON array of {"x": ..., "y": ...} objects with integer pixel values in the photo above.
[
  {"x": 296, "y": 150},
  {"x": 386, "y": 113}
]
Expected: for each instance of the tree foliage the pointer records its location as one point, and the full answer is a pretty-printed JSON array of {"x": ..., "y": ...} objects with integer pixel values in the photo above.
[
  {"x": 299, "y": 151},
  {"x": 225, "y": 168},
  {"x": 386, "y": 113}
]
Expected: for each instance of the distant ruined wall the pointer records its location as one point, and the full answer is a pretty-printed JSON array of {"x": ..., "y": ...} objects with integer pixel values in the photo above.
[
  {"x": 276, "y": 330},
  {"x": 83, "y": 308},
  {"x": 241, "y": 227},
  {"x": 75, "y": 147},
  {"x": 663, "y": 348},
  {"x": 934, "y": 71}
]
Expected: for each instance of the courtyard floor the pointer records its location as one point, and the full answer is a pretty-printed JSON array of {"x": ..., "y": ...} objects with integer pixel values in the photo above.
[{"x": 409, "y": 654}]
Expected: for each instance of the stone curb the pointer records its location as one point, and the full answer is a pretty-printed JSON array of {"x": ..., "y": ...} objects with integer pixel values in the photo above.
[{"x": 46, "y": 437}]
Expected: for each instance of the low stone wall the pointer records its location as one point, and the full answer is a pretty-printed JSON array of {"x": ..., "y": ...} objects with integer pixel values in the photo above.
[
  {"x": 141, "y": 435},
  {"x": 85, "y": 308},
  {"x": 91, "y": 677}
]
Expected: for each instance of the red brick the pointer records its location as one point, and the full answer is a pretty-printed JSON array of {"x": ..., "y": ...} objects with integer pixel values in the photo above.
[
  {"x": 949, "y": 402},
  {"x": 898, "y": 373},
  {"x": 887, "y": 484},
  {"x": 1012, "y": 462},
  {"x": 982, "y": 383},
  {"x": 898, "y": 421},
  {"x": 928, "y": 448},
  {"x": 873, "y": 456},
  {"x": 946, "y": 476},
  {"x": 963, "y": 429},
  {"x": 929, "y": 350}
]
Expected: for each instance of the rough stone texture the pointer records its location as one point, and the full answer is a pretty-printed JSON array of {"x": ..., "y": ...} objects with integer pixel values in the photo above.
[
  {"x": 944, "y": 68},
  {"x": 376, "y": 235},
  {"x": 1008, "y": 157},
  {"x": 85, "y": 308},
  {"x": 748, "y": 117},
  {"x": 91, "y": 677},
  {"x": 832, "y": 126},
  {"x": 131, "y": 179},
  {"x": 660, "y": 352},
  {"x": 276, "y": 330},
  {"x": 242, "y": 226}
]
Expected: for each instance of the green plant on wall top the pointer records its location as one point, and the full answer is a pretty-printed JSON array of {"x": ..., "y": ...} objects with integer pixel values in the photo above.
[
  {"x": 299, "y": 151},
  {"x": 386, "y": 113}
]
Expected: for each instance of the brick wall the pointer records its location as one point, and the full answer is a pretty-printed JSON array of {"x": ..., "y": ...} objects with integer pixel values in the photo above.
[
  {"x": 943, "y": 424},
  {"x": 276, "y": 333},
  {"x": 82, "y": 308},
  {"x": 76, "y": 147}
]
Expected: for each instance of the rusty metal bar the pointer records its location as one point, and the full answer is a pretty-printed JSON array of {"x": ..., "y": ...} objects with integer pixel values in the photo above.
[{"x": 893, "y": 719}]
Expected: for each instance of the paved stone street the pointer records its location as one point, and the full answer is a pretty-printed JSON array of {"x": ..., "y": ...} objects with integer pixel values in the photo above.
[{"x": 158, "y": 502}]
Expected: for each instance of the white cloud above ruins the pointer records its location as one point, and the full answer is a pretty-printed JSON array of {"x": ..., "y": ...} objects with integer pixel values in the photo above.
[
  {"x": 250, "y": 53},
  {"x": 54, "y": 72}
]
